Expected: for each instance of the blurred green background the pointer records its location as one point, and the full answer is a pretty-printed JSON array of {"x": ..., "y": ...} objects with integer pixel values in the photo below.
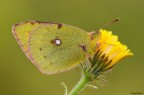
[{"x": 18, "y": 76}]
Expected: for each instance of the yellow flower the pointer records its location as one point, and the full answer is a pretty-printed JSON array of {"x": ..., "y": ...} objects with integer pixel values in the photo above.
[
  {"x": 109, "y": 46},
  {"x": 108, "y": 52}
]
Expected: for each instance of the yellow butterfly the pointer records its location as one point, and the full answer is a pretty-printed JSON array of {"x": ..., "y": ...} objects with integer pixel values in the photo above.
[{"x": 54, "y": 47}]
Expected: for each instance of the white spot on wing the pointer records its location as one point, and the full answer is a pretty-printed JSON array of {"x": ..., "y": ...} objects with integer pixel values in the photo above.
[{"x": 57, "y": 42}]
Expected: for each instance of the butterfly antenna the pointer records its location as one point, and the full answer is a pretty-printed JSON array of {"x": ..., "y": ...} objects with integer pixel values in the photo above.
[{"x": 115, "y": 20}]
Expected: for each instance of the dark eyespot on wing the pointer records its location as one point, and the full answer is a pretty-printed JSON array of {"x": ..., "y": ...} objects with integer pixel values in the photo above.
[
  {"x": 59, "y": 26},
  {"x": 56, "y": 41},
  {"x": 32, "y": 22},
  {"x": 83, "y": 46},
  {"x": 40, "y": 49},
  {"x": 41, "y": 22}
]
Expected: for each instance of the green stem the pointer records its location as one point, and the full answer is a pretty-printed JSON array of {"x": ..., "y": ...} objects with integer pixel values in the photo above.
[{"x": 81, "y": 84}]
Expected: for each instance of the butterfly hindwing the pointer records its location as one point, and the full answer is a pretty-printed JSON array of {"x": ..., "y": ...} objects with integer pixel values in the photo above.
[{"x": 39, "y": 42}]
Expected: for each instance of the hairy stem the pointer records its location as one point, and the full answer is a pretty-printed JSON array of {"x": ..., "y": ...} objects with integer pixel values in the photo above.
[{"x": 81, "y": 84}]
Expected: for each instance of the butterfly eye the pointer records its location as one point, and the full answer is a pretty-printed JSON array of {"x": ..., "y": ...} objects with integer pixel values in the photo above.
[{"x": 56, "y": 42}]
